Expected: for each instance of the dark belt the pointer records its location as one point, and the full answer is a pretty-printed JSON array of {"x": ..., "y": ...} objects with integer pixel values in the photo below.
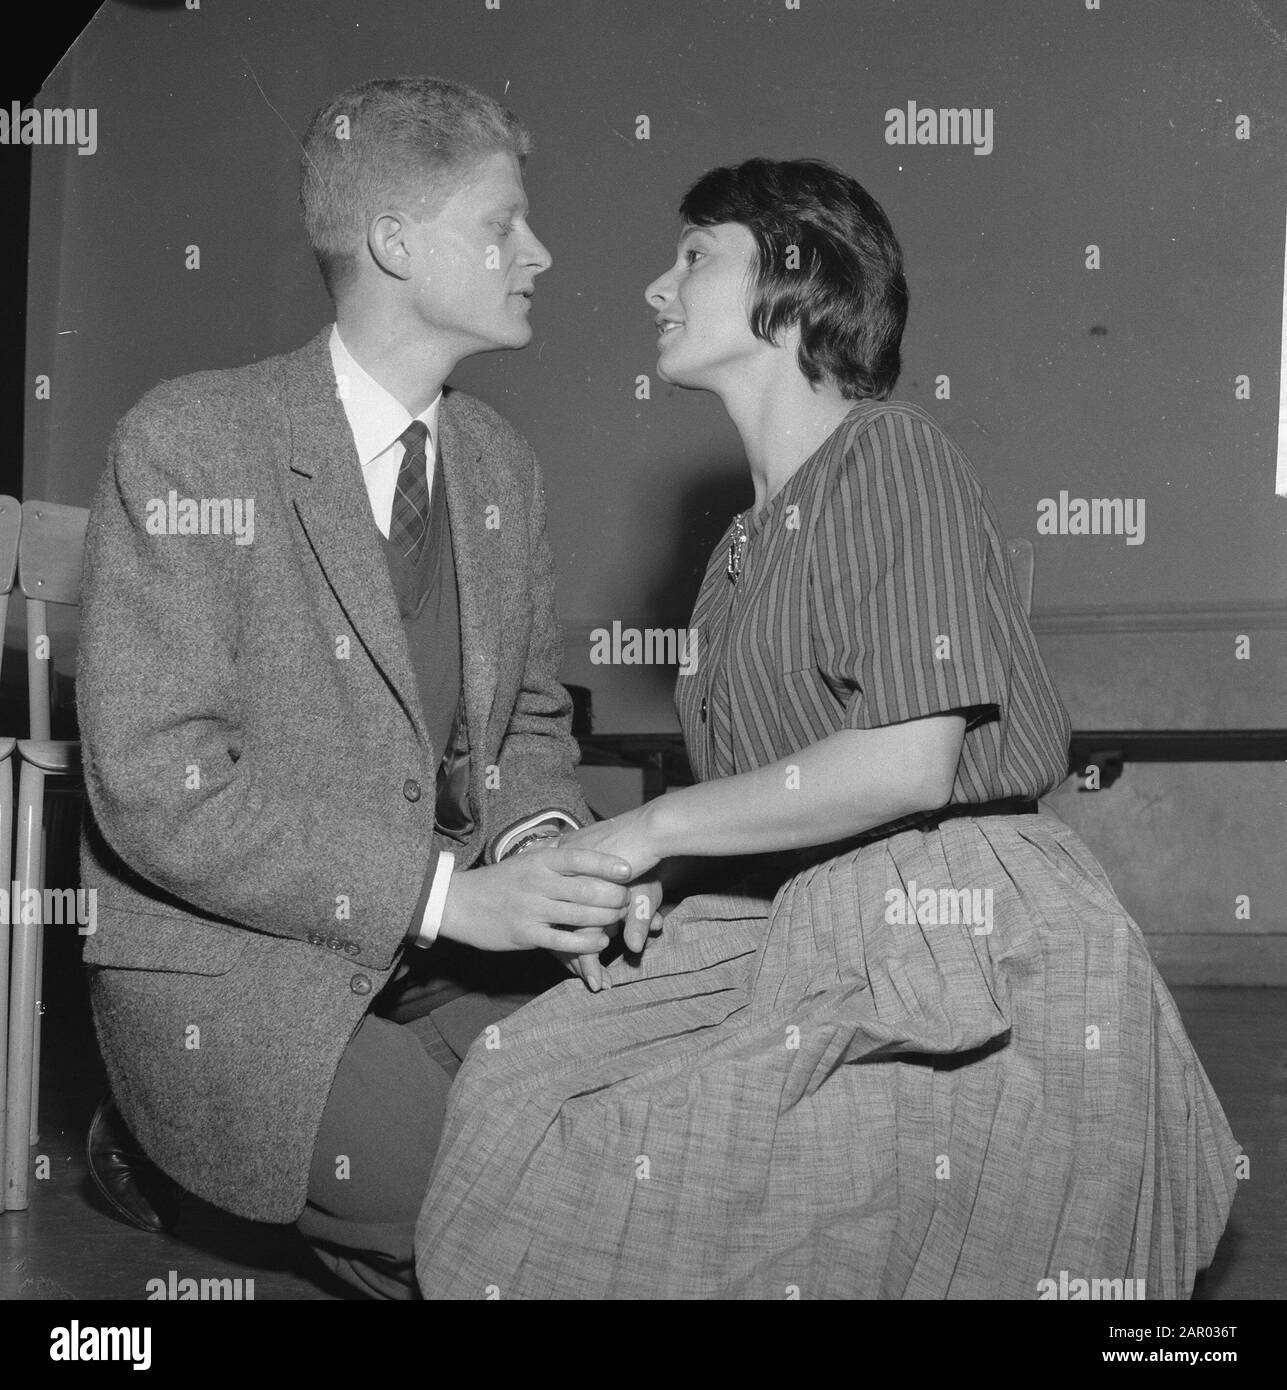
[
  {"x": 957, "y": 810},
  {"x": 1006, "y": 806},
  {"x": 772, "y": 869}
]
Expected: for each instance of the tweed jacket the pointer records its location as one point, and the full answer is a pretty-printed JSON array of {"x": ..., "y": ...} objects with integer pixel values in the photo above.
[{"x": 260, "y": 780}]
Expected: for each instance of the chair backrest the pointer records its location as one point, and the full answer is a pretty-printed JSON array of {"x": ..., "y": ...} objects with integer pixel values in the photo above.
[
  {"x": 51, "y": 549},
  {"x": 10, "y": 529},
  {"x": 1022, "y": 565}
]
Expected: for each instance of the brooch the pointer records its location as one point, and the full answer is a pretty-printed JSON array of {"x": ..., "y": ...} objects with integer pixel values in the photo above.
[{"x": 735, "y": 548}]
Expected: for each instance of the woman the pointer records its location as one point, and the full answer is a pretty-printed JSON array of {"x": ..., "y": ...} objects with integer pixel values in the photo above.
[{"x": 921, "y": 1051}]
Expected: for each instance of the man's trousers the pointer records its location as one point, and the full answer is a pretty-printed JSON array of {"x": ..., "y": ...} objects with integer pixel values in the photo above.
[{"x": 383, "y": 1117}]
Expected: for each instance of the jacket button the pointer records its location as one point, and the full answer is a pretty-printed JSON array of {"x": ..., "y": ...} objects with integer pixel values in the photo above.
[
  {"x": 411, "y": 789},
  {"x": 360, "y": 984}
]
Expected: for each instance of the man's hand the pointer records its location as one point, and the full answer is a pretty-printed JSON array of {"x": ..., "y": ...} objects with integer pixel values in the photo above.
[{"x": 560, "y": 899}]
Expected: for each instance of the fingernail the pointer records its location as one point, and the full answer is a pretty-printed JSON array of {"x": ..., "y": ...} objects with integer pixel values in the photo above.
[{"x": 621, "y": 870}]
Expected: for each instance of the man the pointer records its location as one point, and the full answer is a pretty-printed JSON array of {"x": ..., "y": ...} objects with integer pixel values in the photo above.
[{"x": 327, "y": 756}]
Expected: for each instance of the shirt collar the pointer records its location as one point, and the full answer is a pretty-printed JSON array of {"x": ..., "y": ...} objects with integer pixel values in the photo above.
[{"x": 376, "y": 418}]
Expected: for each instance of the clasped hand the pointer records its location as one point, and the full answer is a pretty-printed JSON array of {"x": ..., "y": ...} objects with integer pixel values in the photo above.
[
  {"x": 623, "y": 837},
  {"x": 571, "y": 898}
]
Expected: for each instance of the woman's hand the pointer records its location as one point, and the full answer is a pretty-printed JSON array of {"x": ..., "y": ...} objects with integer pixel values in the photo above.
[
  {"x": 642, "y": 917},
  {"x": 628, "y": 836}
]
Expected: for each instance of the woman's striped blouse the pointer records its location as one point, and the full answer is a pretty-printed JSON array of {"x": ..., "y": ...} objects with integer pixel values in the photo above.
[{"x": 874, "y": 588}]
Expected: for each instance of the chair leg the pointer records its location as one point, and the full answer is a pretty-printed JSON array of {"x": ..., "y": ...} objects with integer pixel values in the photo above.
[
  {"x": 6, "y": 870},
  {"x": 22, "y": 994},
  {"x": 37, "y": 881},
  {"x": 36, "y": 1029}
]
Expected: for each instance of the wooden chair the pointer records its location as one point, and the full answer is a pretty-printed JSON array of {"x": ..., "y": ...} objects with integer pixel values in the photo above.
[
  {"x": 10, "y": 529},
  {"x": 1022, "y": 565},
  {"x": 50, "y": 551}
]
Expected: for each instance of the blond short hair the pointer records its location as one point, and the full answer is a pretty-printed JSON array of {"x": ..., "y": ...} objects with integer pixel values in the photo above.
[{"x": 385, "y": 138}]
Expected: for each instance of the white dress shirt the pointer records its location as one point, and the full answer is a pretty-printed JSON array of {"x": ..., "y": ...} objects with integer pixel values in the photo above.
[{"x": 377, "y": 421}]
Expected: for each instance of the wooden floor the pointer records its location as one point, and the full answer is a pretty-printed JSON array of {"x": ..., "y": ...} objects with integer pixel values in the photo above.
[{"x": 66, "y": 1246}]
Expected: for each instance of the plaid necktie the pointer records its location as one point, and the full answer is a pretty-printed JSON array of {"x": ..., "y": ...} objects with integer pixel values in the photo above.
[{"x": 411, "y": 500}]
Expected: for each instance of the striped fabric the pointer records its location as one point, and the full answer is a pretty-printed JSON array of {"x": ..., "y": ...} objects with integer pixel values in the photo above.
[
  {"x": 822, "y": 1090},
  {"x": 875, "y": 588}
]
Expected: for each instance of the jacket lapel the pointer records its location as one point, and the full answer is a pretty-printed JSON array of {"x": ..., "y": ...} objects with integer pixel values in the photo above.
[
  {"x": 331, "y": 501},
  {"x": 462, "y": 471}
]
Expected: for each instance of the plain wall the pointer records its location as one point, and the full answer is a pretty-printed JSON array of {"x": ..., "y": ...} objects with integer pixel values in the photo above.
[{"x": 1114, "y": 127}]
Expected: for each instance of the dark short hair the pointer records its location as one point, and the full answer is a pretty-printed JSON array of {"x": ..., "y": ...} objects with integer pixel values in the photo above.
[
  {"x": 827, "y": 259},
  {"x": 383, "y": 138}
]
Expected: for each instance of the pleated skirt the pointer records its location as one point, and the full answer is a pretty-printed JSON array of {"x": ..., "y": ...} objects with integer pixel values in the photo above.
[{"x": 938, "y": 1066}]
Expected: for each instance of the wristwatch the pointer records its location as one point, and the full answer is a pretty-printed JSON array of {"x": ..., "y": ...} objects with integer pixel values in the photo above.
[{"x": 536, "y": 836}]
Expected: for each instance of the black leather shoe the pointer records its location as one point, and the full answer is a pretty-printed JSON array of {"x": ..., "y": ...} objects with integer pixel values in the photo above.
[{"x": 132, "y": 1185}]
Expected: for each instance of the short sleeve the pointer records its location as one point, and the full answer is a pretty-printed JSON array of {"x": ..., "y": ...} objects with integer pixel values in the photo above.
[{"x": 900, "y": 610}]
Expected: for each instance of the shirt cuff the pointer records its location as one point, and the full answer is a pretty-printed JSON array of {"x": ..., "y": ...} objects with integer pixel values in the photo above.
[
  {"x": 506, "y": 843},
  {"x": 434, "y": 899}
]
